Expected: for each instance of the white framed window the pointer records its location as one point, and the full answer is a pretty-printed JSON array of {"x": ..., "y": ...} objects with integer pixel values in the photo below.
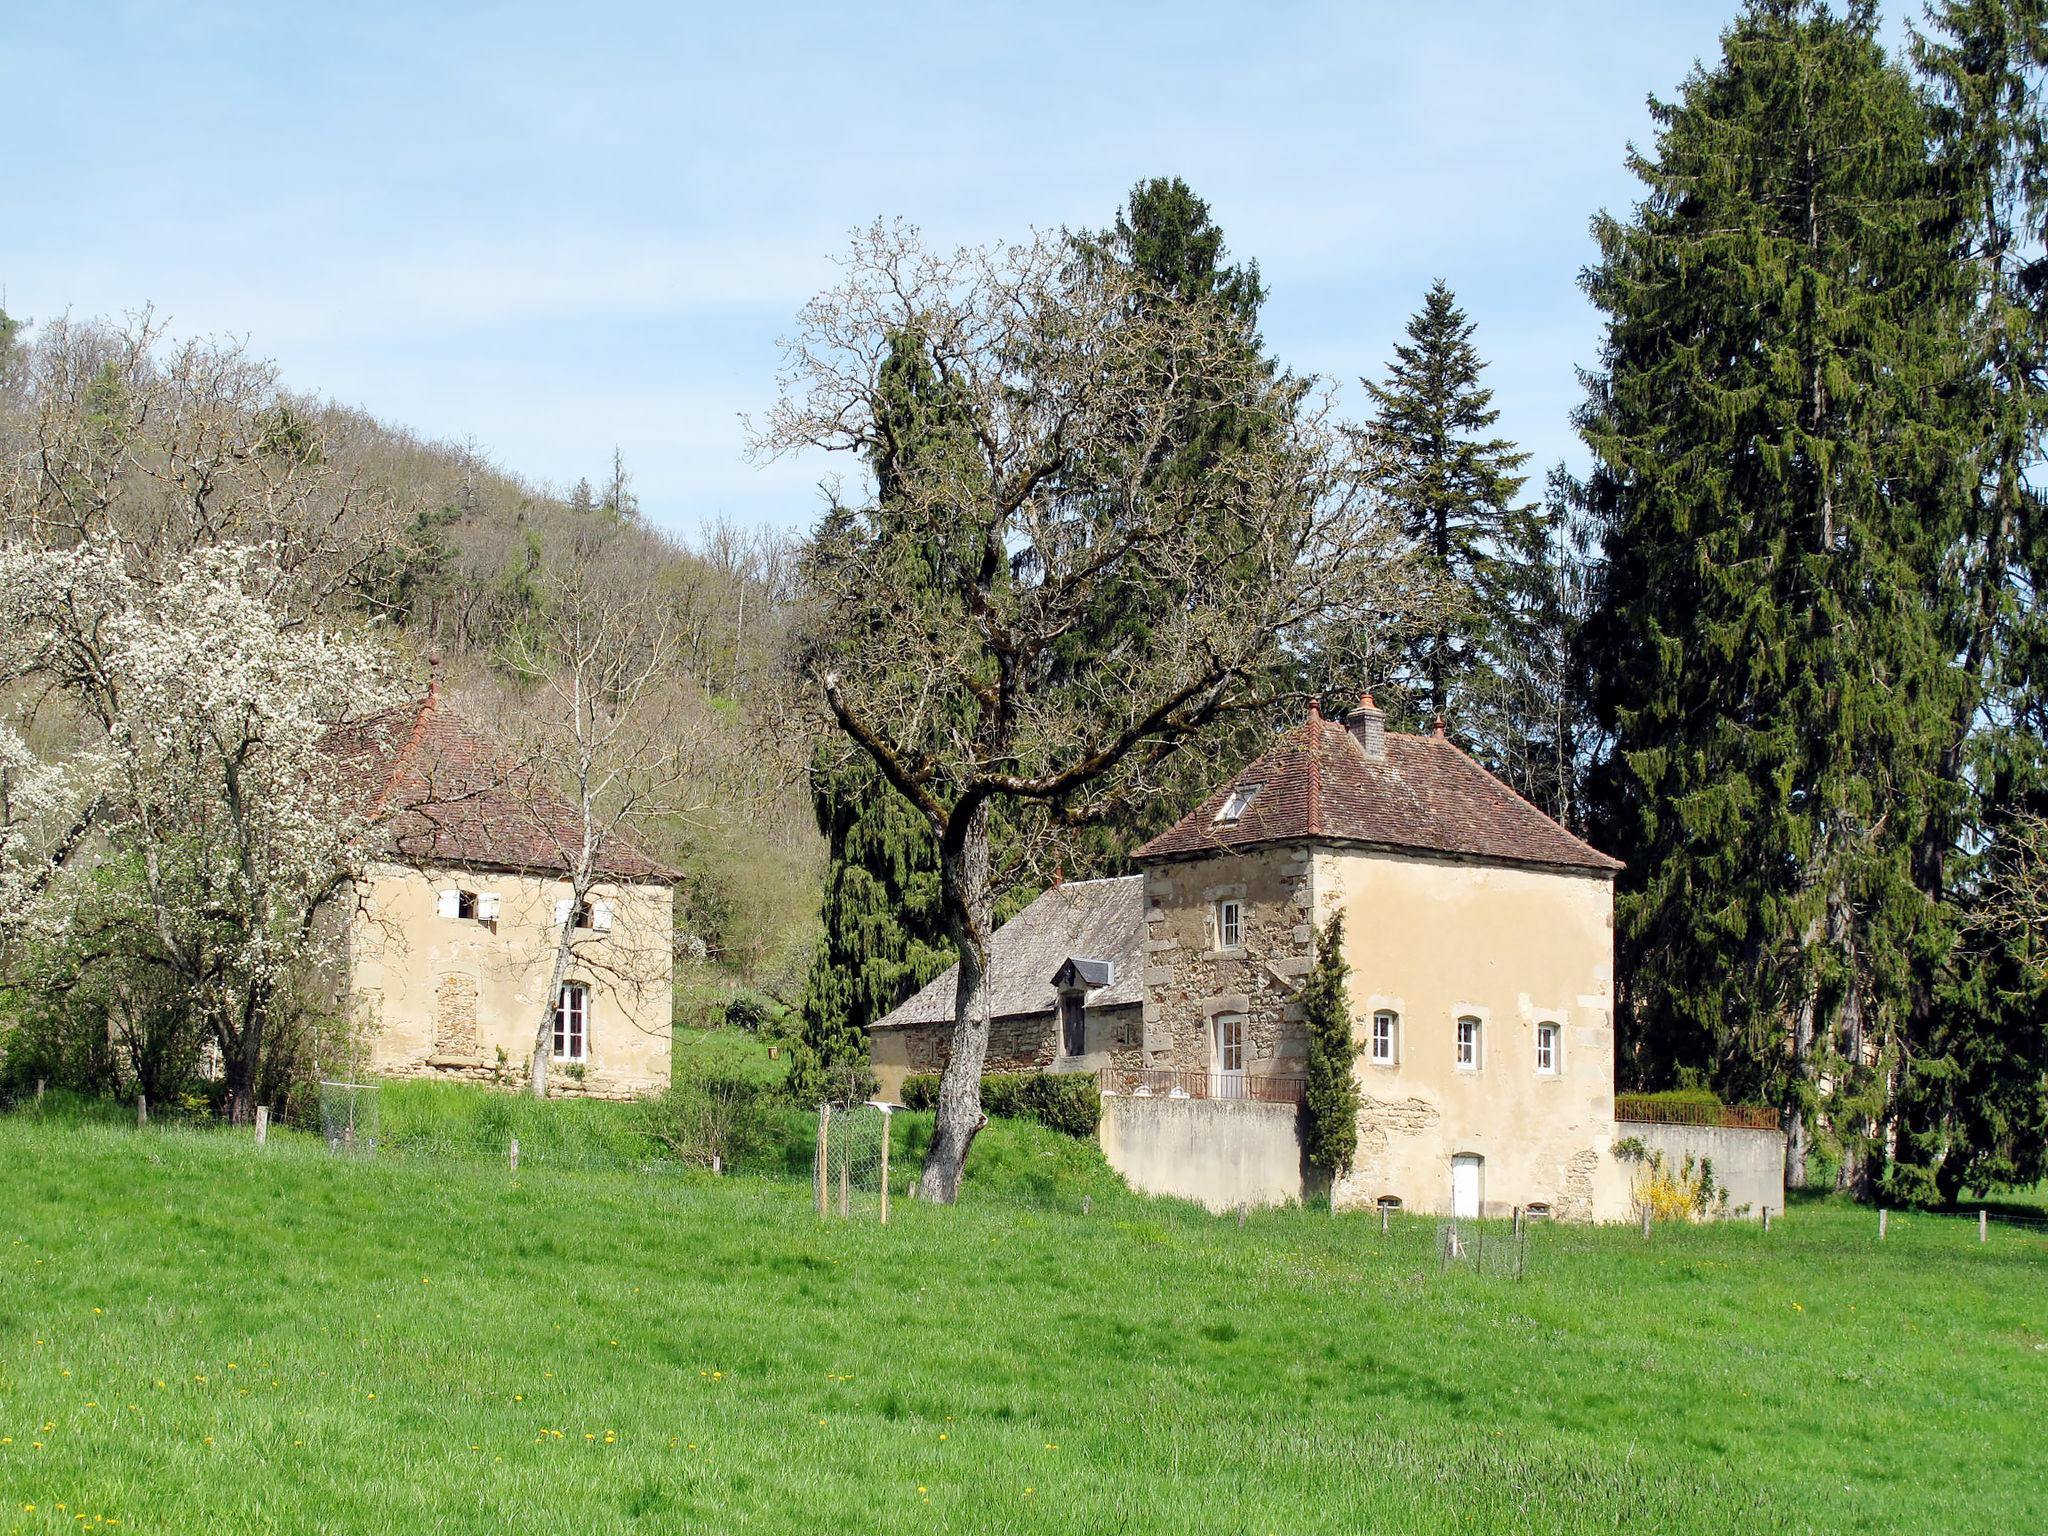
[
  {"x": 1386, "y": 1038},
  {"x": 1471, "y": 1045},
  {"x": 464, "y": 906},
  {"x": 572, "y": 1022},
  {"x": 1239, "y": 801},
  {"x": 1548, "y": 1050},
  {"x": 1229, "y": 923}
]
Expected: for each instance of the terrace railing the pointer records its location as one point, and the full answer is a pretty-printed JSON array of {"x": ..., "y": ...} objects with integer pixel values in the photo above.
[
  {"x": 1648, "y": 1109},
  {"x": 1148, "y": 1082}
]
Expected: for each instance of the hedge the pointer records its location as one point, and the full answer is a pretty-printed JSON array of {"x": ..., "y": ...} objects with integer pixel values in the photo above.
[{"x": 1070, "y": 1102}]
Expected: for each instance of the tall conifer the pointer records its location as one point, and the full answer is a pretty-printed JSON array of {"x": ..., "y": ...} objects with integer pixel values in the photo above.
[
  {"x": 1975, "y": 1074},
  {"x": 1772, "y": 423},
  {"x": 1457, "y": 489}
]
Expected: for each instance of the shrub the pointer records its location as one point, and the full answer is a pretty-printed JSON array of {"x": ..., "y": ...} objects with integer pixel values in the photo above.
[
  {"x": 705, "y": 1116},
  {"x": 1068, "y": 1102}
]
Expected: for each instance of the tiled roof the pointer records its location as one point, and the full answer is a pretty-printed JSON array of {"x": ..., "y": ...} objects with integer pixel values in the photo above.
[
  {"x": 445, "y": 794},
  {"x": 1318, "y": 784},
  {"x": 1084, "y": 920}
]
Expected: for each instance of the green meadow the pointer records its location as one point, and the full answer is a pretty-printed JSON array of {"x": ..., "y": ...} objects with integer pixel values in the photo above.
[{"x": 198, "y": 1335}]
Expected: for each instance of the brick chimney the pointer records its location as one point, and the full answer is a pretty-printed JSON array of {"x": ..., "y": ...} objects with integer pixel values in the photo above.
[{"x": 1369, "y": 725}]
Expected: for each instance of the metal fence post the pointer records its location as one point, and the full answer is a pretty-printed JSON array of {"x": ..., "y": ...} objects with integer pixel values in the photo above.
[{"x": 885, "y": 1167}]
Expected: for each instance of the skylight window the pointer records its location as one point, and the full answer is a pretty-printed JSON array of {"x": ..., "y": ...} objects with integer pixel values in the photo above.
[{"x": 1234, "y": 807}]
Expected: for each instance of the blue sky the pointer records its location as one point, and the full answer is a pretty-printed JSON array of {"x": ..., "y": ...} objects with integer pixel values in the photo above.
[{"x": 554, "y": 228}]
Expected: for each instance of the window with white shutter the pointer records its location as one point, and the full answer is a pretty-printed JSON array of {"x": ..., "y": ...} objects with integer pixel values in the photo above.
[
  {"x": 445, "y": 902},
  {"x": 488, "y": 905},
  {"x": 601, "y": 916}
]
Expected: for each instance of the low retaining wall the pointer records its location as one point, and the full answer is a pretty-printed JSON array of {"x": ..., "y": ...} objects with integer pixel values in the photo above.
[
  {"x": 1748, "y": 1163},
  {"x": 1221, "y": 1152}
]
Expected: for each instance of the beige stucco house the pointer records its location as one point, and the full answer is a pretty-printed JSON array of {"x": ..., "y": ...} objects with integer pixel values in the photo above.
[
  {"x": 1480, "y": 939},
  {"x": 447, "y": 941}
]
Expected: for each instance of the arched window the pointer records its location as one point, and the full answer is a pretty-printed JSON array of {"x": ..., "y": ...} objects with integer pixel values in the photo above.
[{"x": 1388, "y": 1203}]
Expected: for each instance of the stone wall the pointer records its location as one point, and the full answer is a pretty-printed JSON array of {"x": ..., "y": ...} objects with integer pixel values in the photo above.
[
  {"x": 1190, "y": 978},
  {"x": 1221, "y": 1152},
  {"x": 1021, "y": 1043},
  {"x": 1749, "y": 1164}
]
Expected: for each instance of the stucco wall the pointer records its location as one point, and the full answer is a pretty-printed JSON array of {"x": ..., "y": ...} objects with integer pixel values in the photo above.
[
  {"x": 1222, "y": 1152},
  {"x": 1190, "y": 979},
  {"x": 1437, "y": 939},
  {"x": 441, "y": 996},
  {"x": 1749, "y": 1164},
  {"x": 1023, "y": 1043}
]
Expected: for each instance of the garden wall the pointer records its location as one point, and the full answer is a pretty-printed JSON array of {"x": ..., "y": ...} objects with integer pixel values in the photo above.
[
  {"x": 1221, "y": 1152},
  {"x": 1748, "y": 1163}
]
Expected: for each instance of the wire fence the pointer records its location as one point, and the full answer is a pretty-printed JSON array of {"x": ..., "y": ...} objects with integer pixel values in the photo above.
[{"x": 851, "y": 1171}]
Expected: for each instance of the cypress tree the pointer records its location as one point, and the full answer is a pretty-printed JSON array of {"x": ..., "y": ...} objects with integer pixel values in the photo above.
[
  {"x": 1772, "y": 424},
  {"x": 1329, "y": 1122},
  {"x": 1974, "y": 1108},
  {"x": 1456, "y": 489}
]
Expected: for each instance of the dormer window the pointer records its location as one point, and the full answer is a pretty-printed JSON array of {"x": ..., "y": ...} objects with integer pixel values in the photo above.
[{"x": 1234, "y": 807}]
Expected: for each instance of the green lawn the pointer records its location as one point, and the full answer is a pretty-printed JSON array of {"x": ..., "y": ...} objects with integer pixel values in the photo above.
[{"x": 195, "y": 1336}]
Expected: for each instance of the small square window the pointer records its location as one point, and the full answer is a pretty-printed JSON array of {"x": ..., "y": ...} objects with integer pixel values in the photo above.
[
  {"x": 1546, "y": 1049},
  {"x": 1468, "y": 1045},
  {"x": 1386, "y": 1027},
  {"x": 1229, "y": 924},
  {"x": 465, "y": 905}
]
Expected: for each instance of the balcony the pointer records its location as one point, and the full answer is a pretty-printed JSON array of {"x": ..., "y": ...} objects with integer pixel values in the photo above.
[{"x": 1148, "y": 1083}]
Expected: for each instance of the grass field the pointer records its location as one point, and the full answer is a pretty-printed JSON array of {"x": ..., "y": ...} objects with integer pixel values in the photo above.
[{"x": 195, "y": 1336}]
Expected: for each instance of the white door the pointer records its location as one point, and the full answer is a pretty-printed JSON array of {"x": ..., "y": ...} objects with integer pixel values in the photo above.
[
  {"x": 1465, "y": 1185},
  {"x": 1227, "y": 1078}
]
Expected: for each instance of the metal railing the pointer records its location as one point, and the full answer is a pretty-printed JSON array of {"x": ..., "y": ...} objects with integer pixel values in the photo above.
[
  {"x": 1647, "y": 1109},
  {"x": 1148, "y": 1082}
]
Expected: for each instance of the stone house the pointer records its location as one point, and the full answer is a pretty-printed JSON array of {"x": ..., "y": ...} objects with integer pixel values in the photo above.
[
  {"x": 1480, "y": 938},
  {"x": 447, "y": 941},
  {"x": 1066, "y": 991}
]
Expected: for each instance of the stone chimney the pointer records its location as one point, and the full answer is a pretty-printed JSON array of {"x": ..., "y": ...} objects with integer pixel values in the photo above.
[{"x": 1369, "y": 725}]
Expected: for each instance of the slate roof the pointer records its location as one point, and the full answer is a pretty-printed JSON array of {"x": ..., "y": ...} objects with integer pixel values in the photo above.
[
  {"x": 1083, "y": 920},
  {"x": 1318, "y": 785},
  {"x": 445, "y": 794}
]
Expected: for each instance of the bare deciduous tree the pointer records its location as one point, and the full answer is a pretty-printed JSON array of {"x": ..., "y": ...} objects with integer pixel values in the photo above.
[
  {"x": 1030, "y": 510},
  {"x": 606, "y": 729}
]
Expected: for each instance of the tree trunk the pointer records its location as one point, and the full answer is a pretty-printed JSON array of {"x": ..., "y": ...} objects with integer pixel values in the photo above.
[
  {"x": 544, "y": 1028},
  {"x": 965, "y": 871}
]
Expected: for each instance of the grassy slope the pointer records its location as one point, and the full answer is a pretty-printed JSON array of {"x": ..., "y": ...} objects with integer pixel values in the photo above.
[{"x": 221, "y": 1340}]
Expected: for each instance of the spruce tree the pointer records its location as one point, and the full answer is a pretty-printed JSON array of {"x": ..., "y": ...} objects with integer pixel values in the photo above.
[
  {"x": 1457, "y": 490},
  {"x": 1329, "y": 1123},
  {"x": 1167, "y": 237},
  {"x": 883, "y": 931},
  {"x": 1974, "y": 1096},
  {"x": 1773, "y": 424}
]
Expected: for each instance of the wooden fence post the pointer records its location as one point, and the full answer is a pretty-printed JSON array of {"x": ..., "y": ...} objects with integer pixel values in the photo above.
[
  {"x": 824, "y": 1120},
  {"x": 514, "y": 1154},
  {"x": 262, "y": 1124},
  {"x": 141, "y": 1111},
  {"x": 1981, "y": 1226},
  {"x": 1646, "y": 1221},
  {"x": 885, "y": 1167},
  {"x": 1086, "y": 1203},
  {"x": 1882, "y": 1213},
  {"x": 1383, "y": 1219},
  {"x": 39, "y": 1090},
  {"x": 1767, "y": 1221},
  {"x": 717, "y": 1166}
]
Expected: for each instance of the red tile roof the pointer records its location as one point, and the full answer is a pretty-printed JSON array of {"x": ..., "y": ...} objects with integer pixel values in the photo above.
[
  {"x": 445, "y": 794},
  {"x": 1319, "y": 785}
]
